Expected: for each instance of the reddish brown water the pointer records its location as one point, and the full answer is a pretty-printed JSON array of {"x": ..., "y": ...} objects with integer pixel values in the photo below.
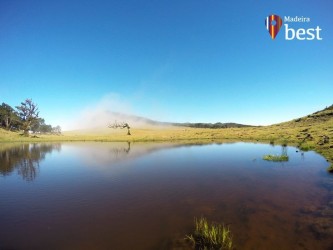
[{"x": 145, "y": 196}]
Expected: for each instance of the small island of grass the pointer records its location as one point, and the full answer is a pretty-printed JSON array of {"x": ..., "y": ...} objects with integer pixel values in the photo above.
[{"x": 276, "y": 158}]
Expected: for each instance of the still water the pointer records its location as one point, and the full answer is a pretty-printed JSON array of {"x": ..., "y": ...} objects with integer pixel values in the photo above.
[{"x": 145, "y": 196}]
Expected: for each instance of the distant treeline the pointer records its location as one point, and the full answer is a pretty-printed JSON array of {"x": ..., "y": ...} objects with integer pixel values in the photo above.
[
  {"x": 196, "y": 124},
  {"x": 211, "y": 125},
  {"x": 139, "y": 119},
  {"x": 24, "y": 117}
]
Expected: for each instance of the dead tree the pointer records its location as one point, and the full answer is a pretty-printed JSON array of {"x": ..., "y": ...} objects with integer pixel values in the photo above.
[{"x": 121, "y": 125}]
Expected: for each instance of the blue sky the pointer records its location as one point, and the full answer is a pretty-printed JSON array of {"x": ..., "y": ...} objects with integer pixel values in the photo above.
[{"x": 169, "y": 60}]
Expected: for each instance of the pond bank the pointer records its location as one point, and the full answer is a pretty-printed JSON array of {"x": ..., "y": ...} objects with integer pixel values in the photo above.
[{"x": 304, "y": 136}]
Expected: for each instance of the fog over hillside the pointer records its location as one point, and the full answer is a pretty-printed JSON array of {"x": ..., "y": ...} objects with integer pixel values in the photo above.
[{"x": 109, "y": 109}]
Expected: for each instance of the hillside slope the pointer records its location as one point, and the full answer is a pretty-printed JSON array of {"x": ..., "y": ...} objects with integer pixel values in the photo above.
[{"x": 311, "y": 132}]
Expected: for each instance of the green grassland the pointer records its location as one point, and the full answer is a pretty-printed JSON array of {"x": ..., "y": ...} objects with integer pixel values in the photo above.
[{"x": 312, "y": 132}]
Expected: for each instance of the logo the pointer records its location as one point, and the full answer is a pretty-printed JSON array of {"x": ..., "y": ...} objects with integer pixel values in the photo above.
[
  {"x": 307, "y": 32},
  {"x": 273, "y": 24}
]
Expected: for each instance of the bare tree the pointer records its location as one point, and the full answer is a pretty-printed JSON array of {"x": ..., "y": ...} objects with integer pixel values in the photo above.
[{"x": 121, "y": 125}]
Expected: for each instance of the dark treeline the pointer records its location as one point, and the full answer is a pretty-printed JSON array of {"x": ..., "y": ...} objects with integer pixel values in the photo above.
[{"x": 24, "y": 117}]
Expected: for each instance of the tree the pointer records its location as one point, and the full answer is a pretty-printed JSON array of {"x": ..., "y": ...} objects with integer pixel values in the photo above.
[
  {"x": 56, "y": 130},
  {"x": 28, "y": 112},
  {"x": 44, "y": 128},
  {"x": 8, "y": 116},
  {"x": 121, "y": 125},
  {"x": 36, "y": 125}
]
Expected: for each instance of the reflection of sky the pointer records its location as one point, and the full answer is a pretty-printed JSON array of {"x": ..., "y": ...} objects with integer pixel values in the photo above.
[
  {"x": 84, "y": 163},
  {"x": 83, "y": 184},
  {"x": 80, "y": 158},
  {"x": 103, "y": 155}
]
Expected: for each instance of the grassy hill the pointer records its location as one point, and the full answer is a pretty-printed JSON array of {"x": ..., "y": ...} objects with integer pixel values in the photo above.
[{"x": 312, "y": 132}]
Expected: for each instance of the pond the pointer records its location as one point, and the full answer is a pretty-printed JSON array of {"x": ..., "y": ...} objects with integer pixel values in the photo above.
[{"x": 146, "y": 196}]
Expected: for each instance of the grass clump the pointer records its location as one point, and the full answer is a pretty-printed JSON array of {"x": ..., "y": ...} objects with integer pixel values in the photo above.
[
  {"x": 276, "y": 157},
  {"x": 211, "y": 236},
  {"x": 305, "y": 147}
]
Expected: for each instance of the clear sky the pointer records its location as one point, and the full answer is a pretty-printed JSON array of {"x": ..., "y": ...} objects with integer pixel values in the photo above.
[{"x": 169, "y": 60}]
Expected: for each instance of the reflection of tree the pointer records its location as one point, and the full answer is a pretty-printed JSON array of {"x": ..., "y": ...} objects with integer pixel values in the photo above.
[
  {"x": 119, "y": 152},
  {"x": 284, "y": 150},
  {"x": 25, "y": 159}
]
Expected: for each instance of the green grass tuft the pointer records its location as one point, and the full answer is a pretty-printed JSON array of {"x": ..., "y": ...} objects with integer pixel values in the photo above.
[
  {"x": 305, "y": 147},
  {"x": 276, "y": 157},
  {"x": 210, "y": 236}
]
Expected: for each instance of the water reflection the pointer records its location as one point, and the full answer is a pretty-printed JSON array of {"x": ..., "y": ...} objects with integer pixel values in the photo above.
[
  {"x": 114, "y": 192},
  {"x": 104, "y": 155},
  {"x": 25, "y": 158},
  {"x": 121, "y": 152},
  {"x": 284, "y": 150}
]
